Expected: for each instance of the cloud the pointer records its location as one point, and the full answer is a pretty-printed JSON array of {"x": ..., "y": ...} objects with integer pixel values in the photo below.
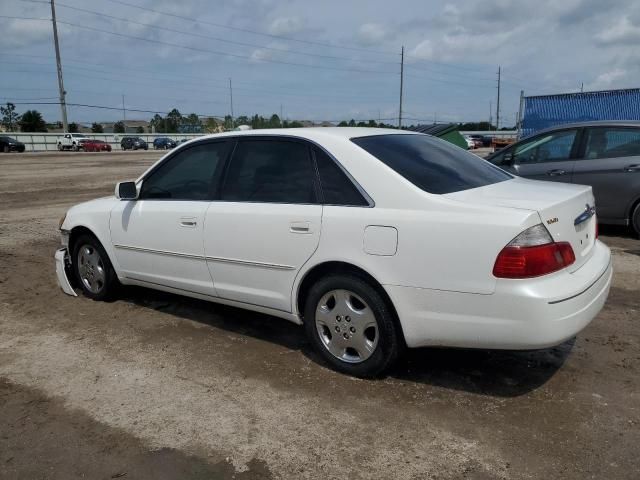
[
  {"x": 372, "y": 34},
  {"x": 606, "y": 79},
  {"x": 286, "y": 26},
  {"x": 24, "y": 33},
  {"x": 623, "y": 32}
]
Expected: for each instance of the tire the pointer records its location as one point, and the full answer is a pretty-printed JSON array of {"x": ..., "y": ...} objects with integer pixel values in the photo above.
[
  {"x": 351, "y": 326},
  {"x": 74, "y": 147},
  {"x": 60, "y": 147},
  {"x": 5, "y": 149},
  {"x": 635, "y": 220},
  {"x": 92, "y": 268}
]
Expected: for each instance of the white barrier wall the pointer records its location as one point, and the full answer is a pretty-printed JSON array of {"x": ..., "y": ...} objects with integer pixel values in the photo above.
[{"x": 37, "y": 142}]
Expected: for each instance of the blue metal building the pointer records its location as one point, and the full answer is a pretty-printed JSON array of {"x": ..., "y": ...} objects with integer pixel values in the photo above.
[{"x": 544, "y": 111}]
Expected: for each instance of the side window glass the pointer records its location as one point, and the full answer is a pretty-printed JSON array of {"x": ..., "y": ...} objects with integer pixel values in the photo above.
[
  {"x": 612, "y": 143},
  {"x": 554, "y": 147},
  {"x": 275, "y": 171},
  {"x": 337, "y": 188},
  {"x": 189, "y": 175}
]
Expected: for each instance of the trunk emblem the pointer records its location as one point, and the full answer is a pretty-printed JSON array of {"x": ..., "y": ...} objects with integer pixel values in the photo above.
[{"x": 590, "y": 211}]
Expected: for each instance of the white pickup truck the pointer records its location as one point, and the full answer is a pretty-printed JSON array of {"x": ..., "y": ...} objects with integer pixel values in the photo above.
[{"x": 71, "y": 141}]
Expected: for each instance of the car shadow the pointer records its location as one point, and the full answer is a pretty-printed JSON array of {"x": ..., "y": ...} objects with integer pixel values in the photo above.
[{"x": 486, "y": 372}]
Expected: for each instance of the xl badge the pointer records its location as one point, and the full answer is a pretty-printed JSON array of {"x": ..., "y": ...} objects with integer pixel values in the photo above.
[{"x": 590, "y": 211}]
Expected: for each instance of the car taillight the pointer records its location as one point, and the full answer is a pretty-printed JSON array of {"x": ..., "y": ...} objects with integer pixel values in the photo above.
[{"x": 533, "y": 253}]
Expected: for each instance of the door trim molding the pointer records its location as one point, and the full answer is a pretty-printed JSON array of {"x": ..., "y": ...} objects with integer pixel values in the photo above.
[
  {"x": 248, "y": 263},
  {"x": 159, "y": 252},
  {"x": 275, "y": 266}
]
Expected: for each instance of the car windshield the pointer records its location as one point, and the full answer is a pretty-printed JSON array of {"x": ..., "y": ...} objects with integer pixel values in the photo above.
[{"x": 434, "y": 165}]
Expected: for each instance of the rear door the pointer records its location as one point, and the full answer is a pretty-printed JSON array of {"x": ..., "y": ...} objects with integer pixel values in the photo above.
[
  {"x": 610, "y": 162},
  {"x": 266, "y": 223},
  {"x": 549, "y": 156}
]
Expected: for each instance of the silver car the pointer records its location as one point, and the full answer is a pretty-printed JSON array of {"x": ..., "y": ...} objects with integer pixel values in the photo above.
[{"x": 605, "y": 155}]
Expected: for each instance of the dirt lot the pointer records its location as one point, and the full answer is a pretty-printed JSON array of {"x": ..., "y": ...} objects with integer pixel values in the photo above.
[{"x": 159, "y": 386}]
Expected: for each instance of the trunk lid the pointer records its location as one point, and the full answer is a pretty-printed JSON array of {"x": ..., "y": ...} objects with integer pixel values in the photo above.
[{"x": 566, "y": 210}]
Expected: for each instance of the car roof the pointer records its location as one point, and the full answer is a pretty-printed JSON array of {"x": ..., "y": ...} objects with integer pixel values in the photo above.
[
  {"x": 314, "y": 133},
  {"x": 592, "y": 123}
]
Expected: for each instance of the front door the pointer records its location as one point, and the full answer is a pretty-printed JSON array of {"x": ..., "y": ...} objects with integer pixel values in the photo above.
[
  {"x": 546, "y": 157},
  {"x": 611, "y": 165},
  {"x": 266, "y": 224},
  {"x": 158, "y": 238}
]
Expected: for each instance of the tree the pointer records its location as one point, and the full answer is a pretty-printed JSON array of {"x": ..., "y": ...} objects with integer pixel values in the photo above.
[
  {"x": 173, "y": 121},
  {"x": 228, "y": 122},
  {"x": 352, "y": 123},
  {"x": 140, "y": 129},
  {"x": 212, "y": 125},
  {"x": 32, "y": 121},
  {"x": 274, "y": 121},
  {"x": 343, "y": 124},
  {"x": 73, "y": 127},
  {"x": 157, "y": 123},
  {"x": 9, "y": 116},
  {"x": 241, "y": 120},
  {"x": 118, "y": 127},
  {"x": 97, "y": 128}
]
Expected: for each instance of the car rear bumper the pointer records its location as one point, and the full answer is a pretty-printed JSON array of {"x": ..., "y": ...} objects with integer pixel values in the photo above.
[
  {"x": 520, "y": 314},
  {"x": 62, "y": 271}
]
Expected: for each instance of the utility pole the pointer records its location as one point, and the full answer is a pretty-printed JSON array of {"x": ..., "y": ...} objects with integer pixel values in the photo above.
[
  {"x": 281, "y": 114},
  {"x": 401, "y": 85},
  {"x": 490, "y": 114},
  {"x": 582, "y": 87},
  {"x": 231, "y": 100},
  {"x": 498, "y": 103},
  {"x": 63, "y": 102},
  {"x": 520, "y": 112},
  {"x": 124, "y": 116}
]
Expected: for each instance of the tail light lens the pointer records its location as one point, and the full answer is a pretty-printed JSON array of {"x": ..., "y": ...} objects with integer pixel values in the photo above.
[{"x": 531, "y": 254}]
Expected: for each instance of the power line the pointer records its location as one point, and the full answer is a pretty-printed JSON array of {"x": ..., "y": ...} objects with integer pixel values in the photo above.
[
  {"x": 218, "y": 39},
  {"x": 254, "y": 32}
]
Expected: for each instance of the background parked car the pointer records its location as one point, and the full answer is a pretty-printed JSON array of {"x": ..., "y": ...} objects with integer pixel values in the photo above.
[
  {"x": 133, "y": 143},
  {"x": 481, "y": 140},
  {"x": 71, "y": 141},
  {"x": 605, "y": 155},
  {"x": 470, "y": 142},
  {"x": 8, "y": 144},
  {"x": 164, "y": 143},
  {"x": 95, "y": 146}
]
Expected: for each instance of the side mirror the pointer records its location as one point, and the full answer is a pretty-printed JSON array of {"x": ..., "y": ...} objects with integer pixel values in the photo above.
[
  {"x": 508, "y": 158},
  {"x": 126, "y": 191}
]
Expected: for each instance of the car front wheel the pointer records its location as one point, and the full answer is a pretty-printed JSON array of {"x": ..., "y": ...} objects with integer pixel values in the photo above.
[
  {"x": 92, "y": 268},
  {"x": 351, "y": 326}
]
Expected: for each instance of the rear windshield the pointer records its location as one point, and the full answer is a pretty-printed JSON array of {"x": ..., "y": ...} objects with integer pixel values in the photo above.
[{"x": 434, "y": 165}]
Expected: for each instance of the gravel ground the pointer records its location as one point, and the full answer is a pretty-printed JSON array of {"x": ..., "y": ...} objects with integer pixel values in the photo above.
[{"x": 159, "y": 386}]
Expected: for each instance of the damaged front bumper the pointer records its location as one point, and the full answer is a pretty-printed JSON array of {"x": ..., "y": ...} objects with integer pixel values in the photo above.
[{"x": 63, "y": 267}]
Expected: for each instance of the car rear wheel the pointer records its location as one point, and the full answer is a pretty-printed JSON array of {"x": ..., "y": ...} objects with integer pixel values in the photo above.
[
  {"x": 351, "y": 326},
  {"x": 5, "y": 149},
  {"x": 60, "y": 148},
  {"x": 92, "y": 268},
  {"x": 635, "y": 219}
]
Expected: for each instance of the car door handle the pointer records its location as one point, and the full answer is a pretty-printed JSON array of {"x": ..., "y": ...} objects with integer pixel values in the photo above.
[
  {"x": 189, "y": 222},
  {"x": 556, "y": 173},
  {"x": 632, "y": 168},
  {"x": 300, "y": 227}
]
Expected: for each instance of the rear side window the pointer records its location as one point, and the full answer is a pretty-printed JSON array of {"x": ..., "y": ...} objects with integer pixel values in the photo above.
[
  {"x": 337, "y": 188},
  {"x": 612, "y": 142},
  {"x": 434, "y": 165},
  {"x": 273, "y": 171}
]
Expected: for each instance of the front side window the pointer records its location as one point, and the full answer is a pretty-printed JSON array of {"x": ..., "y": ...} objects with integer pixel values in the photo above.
[
  {"x": 337, "y": 188},
  {"x": 275, "y": 171},
  {"x": 551, "y": 147},
  {"x": 611, "y": 142},
  {"x": 191, "y": 174},
  {"x": 432, "y": 164}
]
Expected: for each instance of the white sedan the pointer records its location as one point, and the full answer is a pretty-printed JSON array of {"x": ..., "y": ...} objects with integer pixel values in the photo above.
[{"x": 374, "y": 239}]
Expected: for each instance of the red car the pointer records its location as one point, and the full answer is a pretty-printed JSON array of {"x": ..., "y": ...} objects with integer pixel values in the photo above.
[{"x": 95, "y": 146}]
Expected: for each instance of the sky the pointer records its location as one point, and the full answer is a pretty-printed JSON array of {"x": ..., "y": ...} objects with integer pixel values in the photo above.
[{"x": 328, "y": 60}]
